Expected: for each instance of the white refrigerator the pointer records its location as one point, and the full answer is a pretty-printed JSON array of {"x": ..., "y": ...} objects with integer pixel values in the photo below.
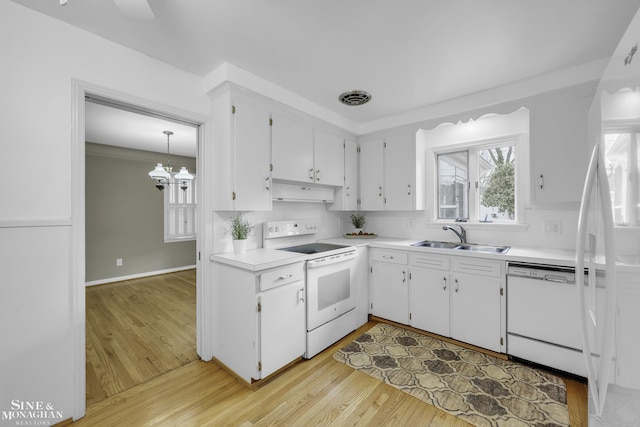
[{"x": 608, "y": 242}]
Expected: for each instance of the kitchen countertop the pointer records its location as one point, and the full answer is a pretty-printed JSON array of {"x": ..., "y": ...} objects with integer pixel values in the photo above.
[
  {"x": 262, "y": 259},
  {"x": 561, "y": 257},
  {"x": 259, "y": 259}
]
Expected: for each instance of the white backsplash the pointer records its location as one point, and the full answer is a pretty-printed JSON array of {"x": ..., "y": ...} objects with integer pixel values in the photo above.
[{"x": 407, "y": 225}]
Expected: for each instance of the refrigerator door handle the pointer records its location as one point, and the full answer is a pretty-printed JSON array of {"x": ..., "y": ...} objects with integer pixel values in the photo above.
[{"x": 598, "y": 378}]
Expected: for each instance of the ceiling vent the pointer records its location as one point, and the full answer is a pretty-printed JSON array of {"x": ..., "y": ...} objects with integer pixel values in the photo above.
[{"x": 355, "y": 97}]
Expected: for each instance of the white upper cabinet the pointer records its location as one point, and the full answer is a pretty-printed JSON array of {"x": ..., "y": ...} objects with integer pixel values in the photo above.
[
  {"x": 306, "y": 155},
  {"x": 328, "y": 153},
  {"x": 292, "y": 150},
  {"x": 392, "y": 174},
  {"x": 371, "y": 176},
  {"x": 240, "y": 154},
  {"x": 559, "y": 146},
  {"x": 346, "y": 198}
]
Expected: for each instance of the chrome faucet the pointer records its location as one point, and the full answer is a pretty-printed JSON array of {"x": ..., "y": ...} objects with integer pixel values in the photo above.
[{"x": 462, "y": 234}]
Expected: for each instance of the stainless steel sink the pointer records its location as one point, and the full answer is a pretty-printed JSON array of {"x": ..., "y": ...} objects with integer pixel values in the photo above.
[
  {"x": 462, "y": 246},
  {"x": 483, "y": 248},
  {"x": 436, "y": 244}
]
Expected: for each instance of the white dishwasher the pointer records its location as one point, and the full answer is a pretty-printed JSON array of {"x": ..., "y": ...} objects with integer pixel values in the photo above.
[{"x": 543, "y": 318}]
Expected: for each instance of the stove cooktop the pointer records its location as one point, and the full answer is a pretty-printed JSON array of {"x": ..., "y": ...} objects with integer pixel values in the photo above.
[{"x": 313, "y": 248}]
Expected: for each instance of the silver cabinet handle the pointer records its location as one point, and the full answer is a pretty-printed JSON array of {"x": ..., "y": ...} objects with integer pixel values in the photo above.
[
  {"x": 318, "y": 175},
  {"x": 348, "y": 188},
  {"x": 541, "y": 181},
  {"x": 267, "y": 186},
  {"x": 404, "y": 276},
  {"x": 380, "y": 193},
  {"x": 456, "y": 280},
  {"x": 445, "y": 283},
  {"x": 311, "y": 177},
  {"x": 301, "y": 295},
  {"x": 288, "y": 276},
  {"x": 387, "y": 257},
  {"x": 409, "y": 189}
]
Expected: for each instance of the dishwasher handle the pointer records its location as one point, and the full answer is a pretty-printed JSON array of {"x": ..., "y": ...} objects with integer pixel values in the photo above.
[{"x": 558, "y": 279}]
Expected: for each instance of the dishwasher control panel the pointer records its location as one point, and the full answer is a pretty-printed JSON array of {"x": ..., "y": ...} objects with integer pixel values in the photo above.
[{"x": 543, "y": 272}]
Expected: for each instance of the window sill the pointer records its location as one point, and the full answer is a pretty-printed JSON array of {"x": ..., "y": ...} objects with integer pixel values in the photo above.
[{"x": 482, "y": 225}]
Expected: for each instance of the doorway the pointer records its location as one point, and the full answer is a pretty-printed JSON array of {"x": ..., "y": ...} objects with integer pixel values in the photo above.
[
  {"x": 82, "y": 91},
  {"x": 140, "y": 247}
]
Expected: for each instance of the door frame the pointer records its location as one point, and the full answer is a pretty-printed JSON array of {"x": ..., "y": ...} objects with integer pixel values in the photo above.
[{"x": 80, "y": 89}]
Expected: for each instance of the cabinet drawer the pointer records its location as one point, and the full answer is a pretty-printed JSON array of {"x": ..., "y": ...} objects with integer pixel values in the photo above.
[
  {"x": 281, "y": 276},
  {"x": 477, "y": 266},
  {"x": 429, "y": 261},
  {"x": 390, "y": 256}
]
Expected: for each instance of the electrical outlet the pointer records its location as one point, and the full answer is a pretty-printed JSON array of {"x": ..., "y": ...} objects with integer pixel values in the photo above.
[
  {"x": 553, "y": 228},
  {"x": 118, "y": 262}
]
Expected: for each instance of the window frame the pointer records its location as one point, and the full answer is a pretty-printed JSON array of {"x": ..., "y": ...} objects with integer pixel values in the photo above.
[
  {"x": 190, "y": 207},
  {"x": 632, "y": 128},
  {"x": 519, "y": 141}
]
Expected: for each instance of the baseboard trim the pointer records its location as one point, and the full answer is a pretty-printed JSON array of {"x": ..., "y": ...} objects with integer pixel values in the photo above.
[{"x": 138, "y": 275}]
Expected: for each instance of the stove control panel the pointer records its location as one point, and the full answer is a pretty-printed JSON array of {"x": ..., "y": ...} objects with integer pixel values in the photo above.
[{"x": 277, "y": 229}]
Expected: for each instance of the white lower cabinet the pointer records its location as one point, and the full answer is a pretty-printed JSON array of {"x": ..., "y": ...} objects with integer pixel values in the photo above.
[
  {"x": 258, "y": 318},
  {"x": 429, "y": 293},
  {"x": 389, "y": 281},
  {"x": 476, "y": 310},
  {"x": 281, "y": 326},
  {"x": 459, "y": 297}
]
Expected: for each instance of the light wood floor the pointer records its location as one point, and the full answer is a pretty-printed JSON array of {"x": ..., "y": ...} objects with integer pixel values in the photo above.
[
  {"x": 320, "y": 391},
  {"x": 137, "y": 330}
]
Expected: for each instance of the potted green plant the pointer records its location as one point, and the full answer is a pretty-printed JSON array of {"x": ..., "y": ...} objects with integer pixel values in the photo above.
[
  {"x": 240, "y": 230},
  {"x": 358, "y": 220}
]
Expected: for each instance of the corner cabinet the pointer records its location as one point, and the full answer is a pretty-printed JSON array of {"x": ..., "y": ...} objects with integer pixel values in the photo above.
[
  {"x": 389, "y": 281},
  {"x": 559, "y": 144},
  {"x": 346, "y": 196},
  {"x": 259, "y": 319},
  {"x": 240, "y": 158},
  {"x": 400, "y": 186}
]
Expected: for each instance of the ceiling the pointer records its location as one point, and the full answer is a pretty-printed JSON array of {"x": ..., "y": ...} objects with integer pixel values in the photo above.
[
  {"x": 407, "y": 53},
  {"x": 114, "y": 126}
]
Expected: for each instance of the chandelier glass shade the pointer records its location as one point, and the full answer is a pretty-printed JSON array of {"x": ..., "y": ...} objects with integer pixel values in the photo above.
[{"x": 162, "y": 174}]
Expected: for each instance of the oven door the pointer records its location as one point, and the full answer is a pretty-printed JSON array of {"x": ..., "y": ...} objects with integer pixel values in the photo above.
[{"x": 330, "y": 288}]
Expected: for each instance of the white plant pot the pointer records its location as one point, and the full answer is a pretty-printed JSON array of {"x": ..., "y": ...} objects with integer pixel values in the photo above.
[
  {"x": 357, "y": 230},
  {"x": 239, "y": 246}
]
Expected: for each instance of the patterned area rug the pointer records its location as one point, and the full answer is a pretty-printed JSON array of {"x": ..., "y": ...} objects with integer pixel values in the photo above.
[{"x": 480, "y": 389}]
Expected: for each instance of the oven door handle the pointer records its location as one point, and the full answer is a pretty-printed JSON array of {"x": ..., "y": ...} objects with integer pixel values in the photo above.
[{"x": 335, "y": 259}]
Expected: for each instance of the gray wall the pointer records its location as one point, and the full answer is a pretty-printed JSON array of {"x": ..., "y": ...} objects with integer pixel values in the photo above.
[{"x": 125, "y": 215}]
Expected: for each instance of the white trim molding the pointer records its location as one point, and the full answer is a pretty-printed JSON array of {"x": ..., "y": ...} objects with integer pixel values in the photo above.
[{"x": 139, "y": 275}]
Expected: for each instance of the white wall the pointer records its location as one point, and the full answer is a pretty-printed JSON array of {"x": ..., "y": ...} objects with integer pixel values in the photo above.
[{"x": 41, "y": 58}]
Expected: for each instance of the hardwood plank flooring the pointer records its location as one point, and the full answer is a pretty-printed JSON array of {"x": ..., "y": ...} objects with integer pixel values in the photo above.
[
  {"x": 137, "y": 330},
  {"x": 320, "y": 391}
]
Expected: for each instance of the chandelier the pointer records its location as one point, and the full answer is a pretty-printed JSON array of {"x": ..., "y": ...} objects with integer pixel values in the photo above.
[{"x": 162, "y": 174}]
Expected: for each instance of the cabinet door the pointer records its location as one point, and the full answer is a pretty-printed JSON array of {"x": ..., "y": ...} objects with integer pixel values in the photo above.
[
  {"x": 390, "y": 292},
  {"x": 399, "y": 172},
  {"x": 291, "y": 150},
  {"x": 252, "y": 180},
  {"x": 328, "y": 153},
  {"x": 282, "y": 326},
  {"x": 559, "y": 147},
  {"x": 350, "y": 176},
  {"x": 475, "y": 310},
  {"x": 429, "y": 300},
  {"x": 346, "y": 196},
  {"x": 371, "y": 175}
]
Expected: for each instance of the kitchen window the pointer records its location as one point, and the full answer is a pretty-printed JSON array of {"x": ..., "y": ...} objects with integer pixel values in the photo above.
[
  {"x": 180, "y": 211},
  {"x": 478, "y": 183},
  {"x": 621, "y": 146}
]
